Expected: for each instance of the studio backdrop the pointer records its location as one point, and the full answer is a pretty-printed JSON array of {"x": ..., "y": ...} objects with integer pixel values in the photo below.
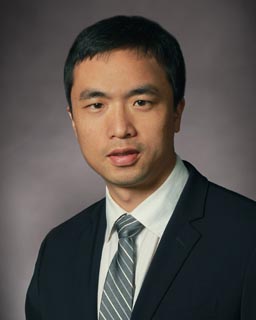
[{"x": 44, "y": 179}]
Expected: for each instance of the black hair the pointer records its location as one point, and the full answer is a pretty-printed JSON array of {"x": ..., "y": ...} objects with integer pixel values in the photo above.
[{"x": 128, "y": 32}]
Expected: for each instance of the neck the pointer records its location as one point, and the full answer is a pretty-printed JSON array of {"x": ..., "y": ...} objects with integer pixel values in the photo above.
[{"x": 128, "y": 198}]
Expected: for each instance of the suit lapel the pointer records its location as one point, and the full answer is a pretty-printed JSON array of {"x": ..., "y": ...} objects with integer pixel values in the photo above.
[
  {"x": 177, "y": 242},
  {"x": 86, "y": 272},
  {"x": 99, "y": 228}
]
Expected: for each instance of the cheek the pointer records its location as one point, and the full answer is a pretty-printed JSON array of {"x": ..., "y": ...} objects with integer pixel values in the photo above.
[
  {"x": 158, "y": 130},
  {"x": 157, "y": 139},
  {"x": 162, "y": 138},
  {"x": 87, "y": 138}
]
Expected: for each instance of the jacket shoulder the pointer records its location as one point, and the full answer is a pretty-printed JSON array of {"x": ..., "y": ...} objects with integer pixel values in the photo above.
[
  {"x": 79, "y": 221},
  {"x": 227, "y": 198},
  {"x": 231, "y": 213}
]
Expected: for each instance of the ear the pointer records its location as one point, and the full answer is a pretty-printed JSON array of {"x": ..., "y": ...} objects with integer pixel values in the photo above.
[
  {"x": 70, "y": 114},
  {"x": 178, "y": 114}
]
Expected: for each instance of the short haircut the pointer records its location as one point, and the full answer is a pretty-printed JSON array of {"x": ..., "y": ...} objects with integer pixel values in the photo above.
[{"x": 129, "y": 32}]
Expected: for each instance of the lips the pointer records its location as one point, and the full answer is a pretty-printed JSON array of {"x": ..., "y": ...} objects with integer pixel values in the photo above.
[{"x": 123, "y": 157}]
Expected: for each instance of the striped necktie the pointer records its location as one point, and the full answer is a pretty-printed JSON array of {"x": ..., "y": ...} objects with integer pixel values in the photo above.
[{"x": 118, "y": 291}]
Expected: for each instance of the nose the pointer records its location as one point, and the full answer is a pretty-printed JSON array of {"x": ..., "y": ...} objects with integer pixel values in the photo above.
[{"x": 121, "y": 124}]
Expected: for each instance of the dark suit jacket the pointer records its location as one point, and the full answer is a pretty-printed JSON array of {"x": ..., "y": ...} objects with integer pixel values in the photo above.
[{"x": 204, "y": 267}]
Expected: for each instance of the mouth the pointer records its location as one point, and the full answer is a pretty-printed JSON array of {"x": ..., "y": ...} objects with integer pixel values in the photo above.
[{"x": 123, "y": 157}]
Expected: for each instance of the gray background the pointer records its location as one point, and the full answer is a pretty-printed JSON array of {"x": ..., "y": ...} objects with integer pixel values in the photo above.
[{"x": 44, "y": 179}]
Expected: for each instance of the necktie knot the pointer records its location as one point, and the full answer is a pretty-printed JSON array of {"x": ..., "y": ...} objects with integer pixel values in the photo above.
[{"x": 127, "y": 226}]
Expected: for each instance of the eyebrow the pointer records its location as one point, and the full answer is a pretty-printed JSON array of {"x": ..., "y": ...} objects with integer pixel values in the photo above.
[
  {"x": 94, "y": 93},
  {"x": 145, "y": 89},
  {"x": 91, "y": 93}
]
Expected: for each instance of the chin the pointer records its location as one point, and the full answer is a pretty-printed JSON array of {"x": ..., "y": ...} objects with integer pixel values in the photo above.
[{"x": 127, "y": 181}]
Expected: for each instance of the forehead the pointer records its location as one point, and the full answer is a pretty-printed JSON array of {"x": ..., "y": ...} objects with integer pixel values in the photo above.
[
  {"x": 119, "y": 58},
  {"x": 119, "y": 67}
]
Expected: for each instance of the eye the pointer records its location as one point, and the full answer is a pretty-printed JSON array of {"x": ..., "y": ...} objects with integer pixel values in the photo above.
[
  {"x": 95, "y": 106},
  {"x": 141, "y": 103}
]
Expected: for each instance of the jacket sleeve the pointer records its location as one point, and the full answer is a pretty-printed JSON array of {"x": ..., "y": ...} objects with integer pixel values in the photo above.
[
  {"x": 32, "y": 305},
  {"x": 248, "y": 306}
]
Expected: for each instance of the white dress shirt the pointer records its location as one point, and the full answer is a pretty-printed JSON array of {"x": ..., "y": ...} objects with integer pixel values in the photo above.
[{"x": 154, "y": 213}]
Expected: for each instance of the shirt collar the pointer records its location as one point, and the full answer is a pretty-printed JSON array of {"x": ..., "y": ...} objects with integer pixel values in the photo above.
[{"x": 156, "y": 210}]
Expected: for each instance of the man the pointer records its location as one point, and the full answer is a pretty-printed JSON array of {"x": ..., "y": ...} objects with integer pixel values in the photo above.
[{"x": 189, "y": 246}]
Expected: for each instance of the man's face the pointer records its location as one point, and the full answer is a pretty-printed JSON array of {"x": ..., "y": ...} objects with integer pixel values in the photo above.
[{"x": 124, "y": 119}]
